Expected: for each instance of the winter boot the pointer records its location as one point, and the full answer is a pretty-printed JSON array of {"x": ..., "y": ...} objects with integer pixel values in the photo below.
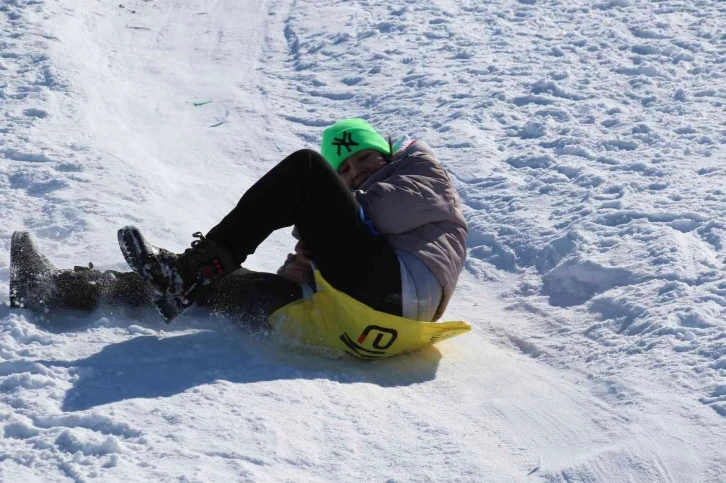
[
  {"x": 29, "y": 270},
  {"x": 37, "y": 285},
  {"x": 177, "y": 280}
]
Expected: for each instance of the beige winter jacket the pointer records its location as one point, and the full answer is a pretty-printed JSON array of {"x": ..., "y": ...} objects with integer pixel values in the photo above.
[{"x": 414, "y": 204}]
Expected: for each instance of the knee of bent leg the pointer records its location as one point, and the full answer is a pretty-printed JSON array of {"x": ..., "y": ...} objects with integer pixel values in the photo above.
[{"x": 309, "y": 160}]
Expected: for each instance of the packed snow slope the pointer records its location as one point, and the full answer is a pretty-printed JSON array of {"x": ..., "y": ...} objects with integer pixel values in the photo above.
[{"x": 587, "y": 140}]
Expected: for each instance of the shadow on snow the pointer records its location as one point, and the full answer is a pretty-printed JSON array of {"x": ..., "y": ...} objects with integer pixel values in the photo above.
[{"x": 152, "y": 366}]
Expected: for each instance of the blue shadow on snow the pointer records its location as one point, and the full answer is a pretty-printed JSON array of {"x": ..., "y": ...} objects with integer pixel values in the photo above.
[{"x": 151, "y": 367}]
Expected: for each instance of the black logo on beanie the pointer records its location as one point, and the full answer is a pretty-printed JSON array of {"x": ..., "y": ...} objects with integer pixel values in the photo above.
[{"x": 346, "y": 142}]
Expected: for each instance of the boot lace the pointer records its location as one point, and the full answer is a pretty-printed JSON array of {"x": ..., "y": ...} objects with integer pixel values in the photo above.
[
  {"x": 198, "y": 251},
  {"x": 201, "y": 237}
]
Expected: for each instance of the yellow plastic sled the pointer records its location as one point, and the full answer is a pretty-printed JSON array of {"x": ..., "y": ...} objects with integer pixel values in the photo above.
[{"x": 336, "y": 325}]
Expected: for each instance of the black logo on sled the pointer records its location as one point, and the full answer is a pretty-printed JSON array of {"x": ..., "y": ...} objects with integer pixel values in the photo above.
[{"x": 384, "y": 338}]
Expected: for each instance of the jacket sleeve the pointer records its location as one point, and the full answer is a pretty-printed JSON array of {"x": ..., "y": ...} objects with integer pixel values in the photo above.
[{"x": 417, "y": 193}]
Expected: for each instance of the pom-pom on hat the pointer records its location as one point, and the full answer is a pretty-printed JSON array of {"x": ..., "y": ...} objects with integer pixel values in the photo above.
[{"x": 349, "y": 136}]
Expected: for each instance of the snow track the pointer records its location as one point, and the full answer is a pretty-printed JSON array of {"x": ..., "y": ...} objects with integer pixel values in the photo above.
[{"x": 587, "y": 141}]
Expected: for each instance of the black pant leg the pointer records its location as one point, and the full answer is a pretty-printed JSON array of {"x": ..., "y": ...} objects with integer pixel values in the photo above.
[
  {"x": 303, "y": 190},
  {"x": 249, "y": 297}
]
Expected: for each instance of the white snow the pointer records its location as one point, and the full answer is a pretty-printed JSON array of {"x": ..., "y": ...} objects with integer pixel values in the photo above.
[{"x": 587, "y": 140}]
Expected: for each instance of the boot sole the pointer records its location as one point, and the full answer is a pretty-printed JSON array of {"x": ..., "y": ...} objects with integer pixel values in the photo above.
[
  {"x": 136, "y": 250},
  {"x": 168, "y": 307}
]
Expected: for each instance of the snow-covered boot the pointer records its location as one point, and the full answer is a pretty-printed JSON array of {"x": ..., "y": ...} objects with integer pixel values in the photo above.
[
  {"x": 177, "y": 279},
  {"x": 37, "y": 285},
  {"x": 29, "y": 271}
]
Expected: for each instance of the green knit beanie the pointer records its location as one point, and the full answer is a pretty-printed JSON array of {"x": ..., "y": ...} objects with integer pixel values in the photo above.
[{"x": 349, "y": 136}]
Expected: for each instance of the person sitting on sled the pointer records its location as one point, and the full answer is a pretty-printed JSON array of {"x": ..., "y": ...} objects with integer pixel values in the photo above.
[{"x": 382, "y": 224}]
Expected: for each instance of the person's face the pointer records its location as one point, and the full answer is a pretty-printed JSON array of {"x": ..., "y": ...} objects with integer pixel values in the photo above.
[{"x": 358, "y": 167}]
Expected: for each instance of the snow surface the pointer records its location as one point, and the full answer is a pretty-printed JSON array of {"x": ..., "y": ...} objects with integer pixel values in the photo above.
[{"x": 588, "y": 143}]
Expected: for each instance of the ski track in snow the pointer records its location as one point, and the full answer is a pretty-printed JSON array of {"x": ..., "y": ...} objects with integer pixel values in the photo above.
[{"x": 587, "y": 140}]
